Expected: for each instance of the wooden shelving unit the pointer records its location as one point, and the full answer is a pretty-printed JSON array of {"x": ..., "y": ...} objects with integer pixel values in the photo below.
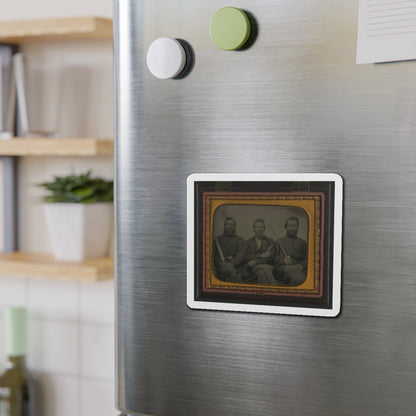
[
  {"x": 41, "y": 30},
  {"x": 39, "y": 265},
  {"x": 56, "y": 147},
  {"x": 44, "y": 266}
]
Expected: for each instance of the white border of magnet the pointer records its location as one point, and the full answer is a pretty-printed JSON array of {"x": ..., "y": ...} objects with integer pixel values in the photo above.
[{"x": 267, "y": 177}]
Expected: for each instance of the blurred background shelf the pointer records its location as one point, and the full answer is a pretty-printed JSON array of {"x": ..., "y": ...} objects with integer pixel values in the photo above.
[
  {"x": 56, "y": 147},
  {"x": 44, "y": 266},
  {"x": 39, "y": 30},
  {"x": 69, "y": 72}
]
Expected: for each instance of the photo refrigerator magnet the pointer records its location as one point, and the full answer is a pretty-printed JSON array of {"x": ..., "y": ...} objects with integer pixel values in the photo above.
[{"x": 266, "y": 243}]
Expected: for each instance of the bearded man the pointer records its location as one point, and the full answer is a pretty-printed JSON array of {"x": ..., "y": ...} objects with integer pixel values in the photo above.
[
  {"x": 229, "y": 249},
  {"x": 291, "y": 255}
]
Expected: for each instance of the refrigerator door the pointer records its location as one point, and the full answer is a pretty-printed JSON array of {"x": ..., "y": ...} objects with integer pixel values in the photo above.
[{"x": 293, "y": 102}]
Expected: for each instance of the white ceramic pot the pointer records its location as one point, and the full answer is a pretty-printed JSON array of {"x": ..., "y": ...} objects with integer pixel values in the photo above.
[{"x": 79, "y": 231}]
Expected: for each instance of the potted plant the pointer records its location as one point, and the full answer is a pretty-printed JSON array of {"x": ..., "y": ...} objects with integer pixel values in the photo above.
[{"x": 79, "y": 216}]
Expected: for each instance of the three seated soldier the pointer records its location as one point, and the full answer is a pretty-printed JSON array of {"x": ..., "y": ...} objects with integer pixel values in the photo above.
[{"x": 260, "y": 260}]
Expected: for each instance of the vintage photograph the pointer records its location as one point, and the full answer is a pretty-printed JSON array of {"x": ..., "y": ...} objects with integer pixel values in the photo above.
[
  {"x": 260, "y": 244},
  {"x": 263, "y": 243}
]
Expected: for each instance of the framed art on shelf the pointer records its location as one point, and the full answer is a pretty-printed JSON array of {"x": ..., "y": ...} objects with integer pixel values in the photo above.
[{"x": 266, "y": 243}]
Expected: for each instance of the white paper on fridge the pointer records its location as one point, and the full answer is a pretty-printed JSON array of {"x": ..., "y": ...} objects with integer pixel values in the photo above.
[{"x": 386, "y": 31}]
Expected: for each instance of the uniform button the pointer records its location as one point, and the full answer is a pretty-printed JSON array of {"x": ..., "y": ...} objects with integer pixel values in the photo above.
[
  {"x": 166, "y": 58},
  {"x": 230, "y": 28}
]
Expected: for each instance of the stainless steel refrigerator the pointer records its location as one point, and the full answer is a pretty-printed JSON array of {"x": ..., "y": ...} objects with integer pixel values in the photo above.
[{"x": 289, "y": 100}]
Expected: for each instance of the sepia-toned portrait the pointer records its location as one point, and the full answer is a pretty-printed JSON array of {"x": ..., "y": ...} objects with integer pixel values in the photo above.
[{"x": 260, "y": 244}]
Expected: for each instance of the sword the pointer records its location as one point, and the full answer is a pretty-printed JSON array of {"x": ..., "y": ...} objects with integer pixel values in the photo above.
[
  {"x": 280, "y": 245},
  {"x": 283, "y": 249},
  {"x": 217, "y": 243}
]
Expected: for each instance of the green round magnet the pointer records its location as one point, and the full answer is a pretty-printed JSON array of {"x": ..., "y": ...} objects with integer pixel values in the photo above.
[{"x": 230, "y": 28}]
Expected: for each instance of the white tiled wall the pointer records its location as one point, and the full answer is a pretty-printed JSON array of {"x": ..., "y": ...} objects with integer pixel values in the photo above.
[{"x": 70, "y": 343}]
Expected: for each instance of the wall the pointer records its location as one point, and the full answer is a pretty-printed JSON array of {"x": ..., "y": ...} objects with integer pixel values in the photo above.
[{"x": 71, "y": 333}]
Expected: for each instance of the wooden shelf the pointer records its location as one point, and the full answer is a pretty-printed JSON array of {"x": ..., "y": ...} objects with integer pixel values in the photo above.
[
  {"x": 39, "y": 30},
  {"x": 44, "y": 266},
  {"x": 18, "y": 146}
]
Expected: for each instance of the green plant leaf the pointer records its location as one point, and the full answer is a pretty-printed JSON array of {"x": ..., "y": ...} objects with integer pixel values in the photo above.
[{"x": 78, "y": 188}]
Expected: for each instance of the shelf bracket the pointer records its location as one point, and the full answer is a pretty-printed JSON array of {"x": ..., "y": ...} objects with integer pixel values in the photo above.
[{"x": 10, "y": 203}]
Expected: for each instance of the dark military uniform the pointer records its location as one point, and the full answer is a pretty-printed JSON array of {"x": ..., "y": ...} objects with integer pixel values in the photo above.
[
  {"x": 297, "y": 250},
  {"x": 233, "y": 250}
]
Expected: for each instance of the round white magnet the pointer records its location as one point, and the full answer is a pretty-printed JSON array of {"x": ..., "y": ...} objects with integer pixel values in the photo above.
[{"x": 166, "y": 58}]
